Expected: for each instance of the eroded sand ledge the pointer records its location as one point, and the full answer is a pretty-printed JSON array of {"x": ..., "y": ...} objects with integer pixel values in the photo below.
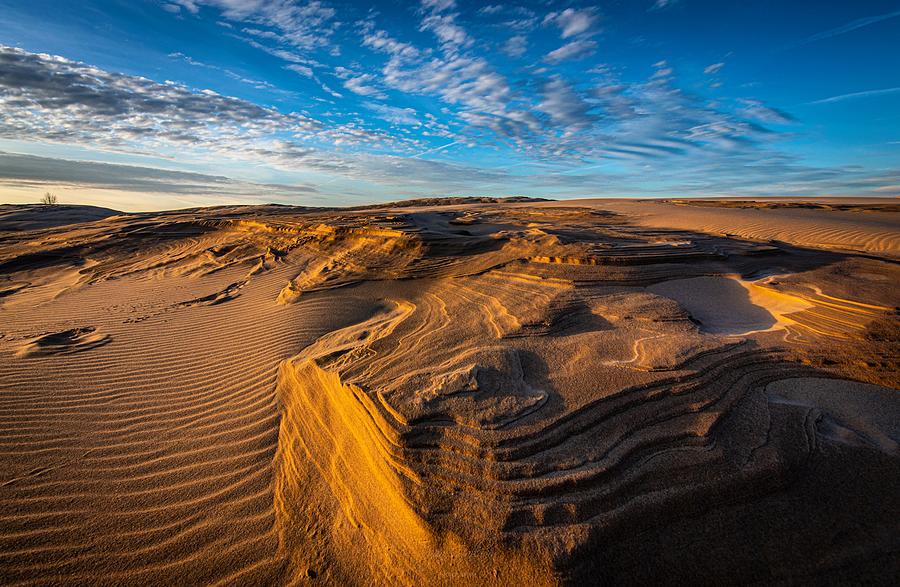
[{"x": 492, "y": 393}]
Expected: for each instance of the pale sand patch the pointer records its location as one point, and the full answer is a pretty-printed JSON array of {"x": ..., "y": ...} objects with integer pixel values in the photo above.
[{"x": 729, "y": 305}]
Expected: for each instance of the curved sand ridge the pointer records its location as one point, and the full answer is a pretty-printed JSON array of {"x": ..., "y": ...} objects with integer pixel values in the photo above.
[
  {"x": 549, "y": 492},
  {"x": 489, "y": 393}
]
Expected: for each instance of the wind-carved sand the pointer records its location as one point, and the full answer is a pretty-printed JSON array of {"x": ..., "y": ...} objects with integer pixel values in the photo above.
[{"x": 495, "y": 392}]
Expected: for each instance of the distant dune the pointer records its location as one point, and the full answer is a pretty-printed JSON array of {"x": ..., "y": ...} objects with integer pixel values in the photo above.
[
  {"x": 451, "y": 392},
  {"x": 867, "y": 226},
  {"x": 37, "y": 216}
]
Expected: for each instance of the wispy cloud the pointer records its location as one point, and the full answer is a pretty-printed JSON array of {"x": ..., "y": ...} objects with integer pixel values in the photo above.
[
  {"x": 516, "y": 46},
  {"x": 575, "y": 50},
  {"x": 854, "y": 95},
  {"x": 379, "y": 40},
  {"x": 757, "y": 110},
  {"x": 359, "y": 83},
  {"x": 444, "y": 26},
  {"x": 662, "y": 4},
  {"x": 846, "y": 28},
  {"x": 567, "y": 109},
  {"x": 435, "y": 149},
  {"x": 491, "y": 9},
  {"x": 258, "y": 84},
  {"x": 305, "y": 25},
  {"x": 395, "y": 114},
  {"x": 572, "y": 22}
]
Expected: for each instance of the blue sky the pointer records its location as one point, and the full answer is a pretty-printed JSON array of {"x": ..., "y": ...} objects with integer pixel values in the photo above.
[{"x": 150, "y": 104}]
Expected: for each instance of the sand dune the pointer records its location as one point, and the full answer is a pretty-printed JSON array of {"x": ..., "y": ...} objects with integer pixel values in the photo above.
[
  {"x": 38, "y": 216},
  {"x": 863, "y": 226},
  {"x": 472, "y": 393}
]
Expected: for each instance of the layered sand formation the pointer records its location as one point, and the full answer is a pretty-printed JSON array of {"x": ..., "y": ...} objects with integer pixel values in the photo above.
[{"x": 466, "y": 393}]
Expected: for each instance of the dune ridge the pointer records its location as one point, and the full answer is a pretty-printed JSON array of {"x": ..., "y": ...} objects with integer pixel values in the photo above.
[{"x": 490, "y": 392}]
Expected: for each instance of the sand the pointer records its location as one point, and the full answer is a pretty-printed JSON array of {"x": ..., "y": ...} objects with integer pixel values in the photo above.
[
  {"x": 860, "y": 225},
  {"x": 451, "y": 393}
]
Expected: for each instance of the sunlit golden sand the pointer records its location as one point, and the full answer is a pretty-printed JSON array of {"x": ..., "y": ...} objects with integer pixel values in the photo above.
[{"x": 509, "y": 393}]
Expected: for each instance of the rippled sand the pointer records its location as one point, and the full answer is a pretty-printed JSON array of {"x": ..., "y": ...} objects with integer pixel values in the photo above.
[{"x": 509, "y": 393}]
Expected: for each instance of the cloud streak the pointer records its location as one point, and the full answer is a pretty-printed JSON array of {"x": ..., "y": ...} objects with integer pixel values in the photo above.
[
  {"x": 33, "y": 171},
  {"x": 574, "y": 50},
  {"x": 856, "y": 95},
  {"x": 847, "y": 28}
]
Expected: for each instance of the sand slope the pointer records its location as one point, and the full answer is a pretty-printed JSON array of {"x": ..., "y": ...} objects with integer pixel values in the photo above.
[{"x": 487, "y": 393}]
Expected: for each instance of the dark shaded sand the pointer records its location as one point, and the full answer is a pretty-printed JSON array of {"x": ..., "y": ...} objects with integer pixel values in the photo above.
[
  {"x": 509, "y": 393},
  {"x": 38, "y": 216}
]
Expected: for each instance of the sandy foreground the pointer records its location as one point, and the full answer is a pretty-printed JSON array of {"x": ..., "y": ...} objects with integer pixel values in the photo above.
[{"x": 509, "y": 393}]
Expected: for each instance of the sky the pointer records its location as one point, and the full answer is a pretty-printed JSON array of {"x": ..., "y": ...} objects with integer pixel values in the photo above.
[{"x": 160, "y": 104}]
